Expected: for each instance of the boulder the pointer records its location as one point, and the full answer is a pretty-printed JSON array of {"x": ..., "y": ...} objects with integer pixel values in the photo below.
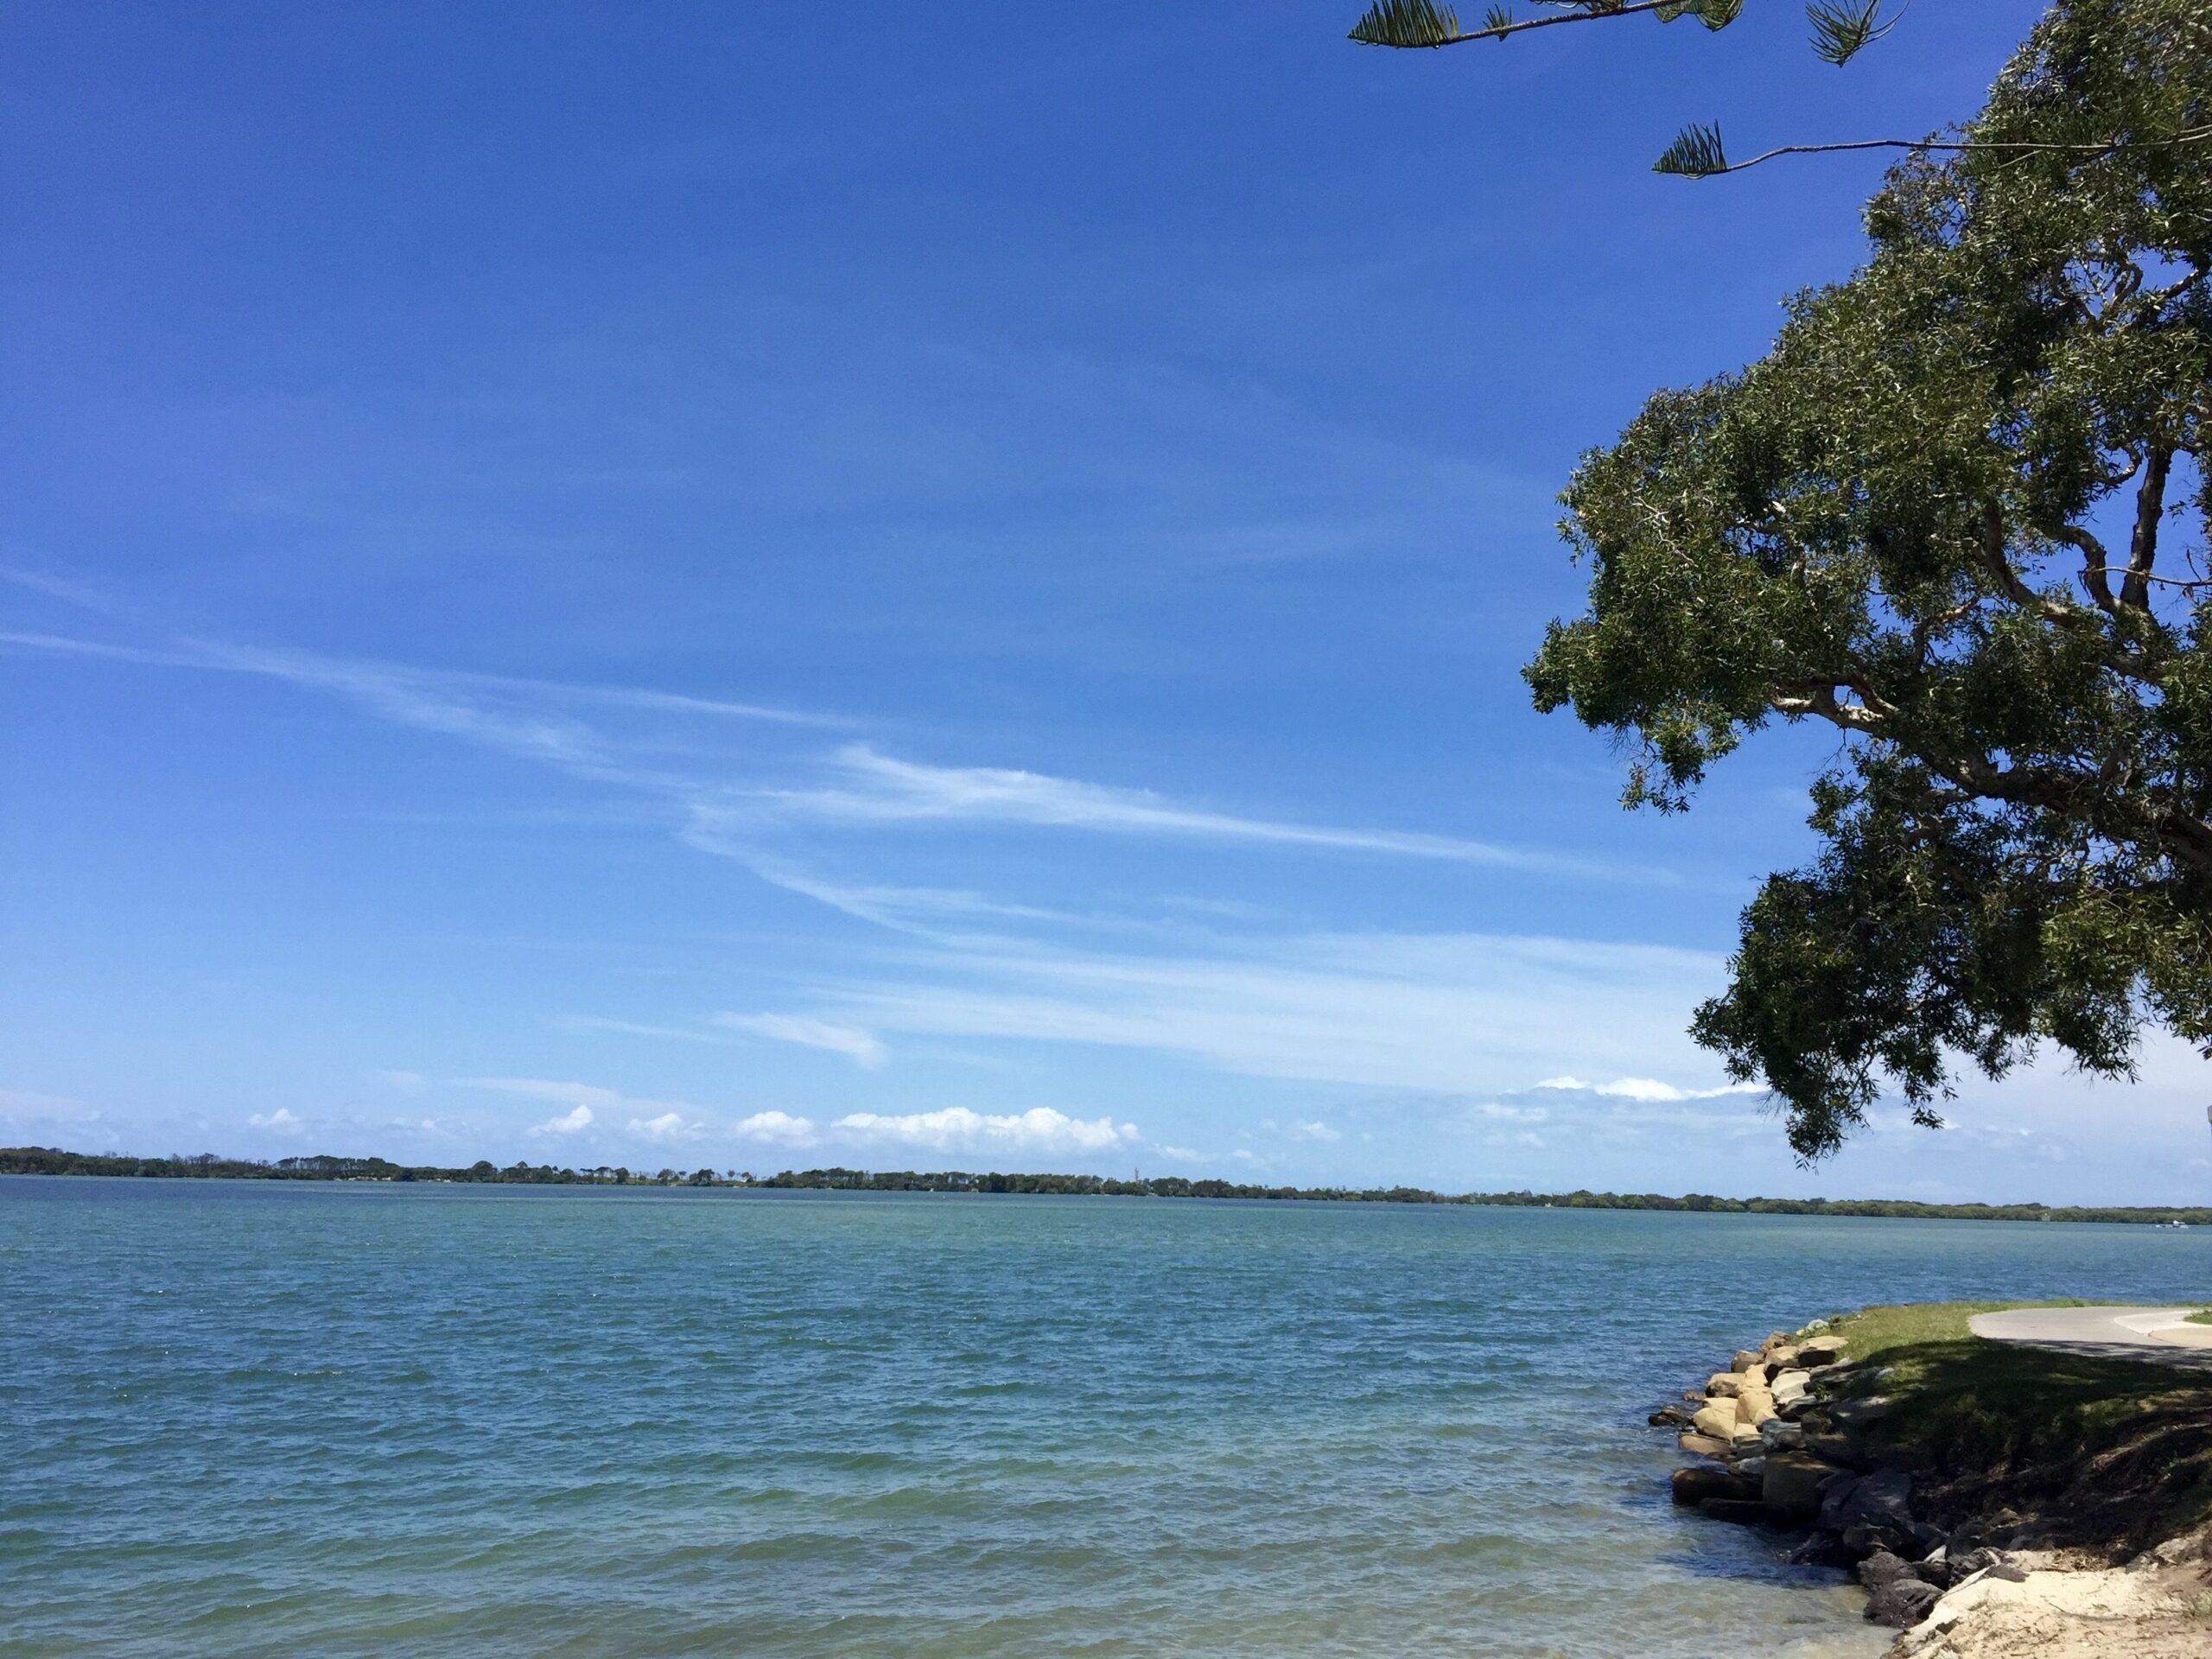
[
  {"x": 1746, "y": 1441},
  {"x": 1703, "y": 1445},
  {"x": 1883, "y": 1566},
  {"x": 1751, "y": 1469},
  {"x": 1775, "y": 1340},
  {"x": 1817, "y": 1351},
  {"x": 1717, "y": 1418},
  {"x": 1871, "y": 1511},
  {"x": 1832, "y": 1448},
  {"x": 1779, "y": 1434},
  {"x": 1856, "y": 1416},
  {"x": 1903, "y": 1603},
  {"x": 1724, "y": 1385},
  {"x": 1792, "y": 1382},
  {"x": 1694, "y": 1486},
  {"x": 1781, "y": 1354},
  {"x": 1671, "y": 1416},
  {"x": 1790, "y": 1484},
  {"x": 1744, "y": 1512},
  {"x": 1964, "y": 1564},
  {"x": 1753, "y": 1406},
  {"x": 1819, "y": 1549},
  {"x": 1745, "y": 1359}
]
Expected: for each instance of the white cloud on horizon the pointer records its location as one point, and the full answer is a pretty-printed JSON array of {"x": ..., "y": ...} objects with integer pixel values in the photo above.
[
  {"x": 573, "y": 1123},
  {"x": 1647, "y": 1088},
  {"x": 282, "y": 1121},
  {"x": 777, "y": 1128},
  {"x": 669, "y": 1126},
  {"x": 959, "y": 1128}
]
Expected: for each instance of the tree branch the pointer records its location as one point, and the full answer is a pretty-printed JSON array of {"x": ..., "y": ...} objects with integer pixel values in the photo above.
[
  {"x": 1499, "y": 31},
  {"x": 2191, "y": 136},
  {"x": 2150, "y": 502},
  {"x": 2095, "y": 561}
]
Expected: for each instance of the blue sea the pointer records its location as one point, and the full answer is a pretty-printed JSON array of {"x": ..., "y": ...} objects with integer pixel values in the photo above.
[{"x": 263, "y": 1419}]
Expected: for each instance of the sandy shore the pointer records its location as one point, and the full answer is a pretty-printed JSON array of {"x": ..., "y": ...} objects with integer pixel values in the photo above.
[{"x": 2159, "y": 1606}]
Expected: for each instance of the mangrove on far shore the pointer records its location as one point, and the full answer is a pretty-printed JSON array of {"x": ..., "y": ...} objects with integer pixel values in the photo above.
[{"x": 47, "y": 1160}]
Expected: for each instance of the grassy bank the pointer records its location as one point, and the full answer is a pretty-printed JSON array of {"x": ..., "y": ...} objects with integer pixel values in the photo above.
[{"x": 2104, "y": 1455}]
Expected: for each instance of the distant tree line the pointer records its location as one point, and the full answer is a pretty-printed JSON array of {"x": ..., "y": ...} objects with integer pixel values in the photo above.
[
  {"x": 49, "y": 1160},
  {"x": 46, "y": 1160}
]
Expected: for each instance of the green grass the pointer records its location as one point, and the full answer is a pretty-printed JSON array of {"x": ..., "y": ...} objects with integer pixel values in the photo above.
[
  {"x": 1874, "y": 1332},
  {"x": 2202, "y": 1316},
  {"x": 2106, "y": 1452}
]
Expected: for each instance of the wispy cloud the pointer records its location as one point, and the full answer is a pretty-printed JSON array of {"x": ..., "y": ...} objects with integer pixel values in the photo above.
[
  {"x": 857, "y": 1046},
  {"x": 433, "y": 698},
  {"x": 1039, "y": 1129},
  {"x": 282, "y": 1121},
  {"x": 1450, "y": 1014},
  {"x": 881, "y": 789}
]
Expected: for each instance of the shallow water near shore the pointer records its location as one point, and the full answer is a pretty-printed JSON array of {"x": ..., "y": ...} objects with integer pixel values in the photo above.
[{"x": 263, "y": 1419}]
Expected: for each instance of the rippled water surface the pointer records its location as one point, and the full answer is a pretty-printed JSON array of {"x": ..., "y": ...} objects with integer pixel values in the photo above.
[{"x": 261, "y": 1419}]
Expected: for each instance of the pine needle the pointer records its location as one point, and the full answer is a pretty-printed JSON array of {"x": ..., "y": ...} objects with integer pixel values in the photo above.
[
  {"x": 1407, "y": 23},
  {"x": 1695, "y": 153}
]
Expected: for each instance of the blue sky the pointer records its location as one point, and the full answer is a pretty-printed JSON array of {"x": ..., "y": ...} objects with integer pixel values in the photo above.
[{"x": 685, "y": 585}]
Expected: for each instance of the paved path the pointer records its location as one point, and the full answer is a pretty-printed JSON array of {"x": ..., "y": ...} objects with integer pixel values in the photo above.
[{"x": 2160, "y": 1335}]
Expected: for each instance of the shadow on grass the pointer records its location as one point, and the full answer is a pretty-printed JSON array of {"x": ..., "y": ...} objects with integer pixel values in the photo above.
[{"x": 2088, "y": 1450}]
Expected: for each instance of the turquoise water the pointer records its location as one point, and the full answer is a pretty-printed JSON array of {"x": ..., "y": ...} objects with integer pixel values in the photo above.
[{"x": 252, "y": 1419}]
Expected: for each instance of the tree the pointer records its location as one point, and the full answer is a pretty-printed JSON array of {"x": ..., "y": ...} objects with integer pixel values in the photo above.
[{"x": 1958, "y": 513}]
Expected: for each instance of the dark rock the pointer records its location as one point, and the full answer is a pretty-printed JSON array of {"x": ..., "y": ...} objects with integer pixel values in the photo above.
[
  {"x": 1883, "y": 1567},
  {"x": 1872, "y": 1511},
  {"x": 1791, "y": 1483},
  {"x": 1694, "y": 1486},
  {"x": 1972, "y": 1562},
  {"x": 1821, "y": 1549},
  {"x": 1832, "y": 1448},
  {"x": 1744, "y": 1512},
  {"x": 1902, "y": 1603}
]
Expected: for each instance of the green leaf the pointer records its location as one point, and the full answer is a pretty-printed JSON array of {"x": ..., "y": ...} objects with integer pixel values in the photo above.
[
  {"x": 1842, "y": 28},
  {"x": 1407, "y": 23},
  {"x": 1695, "y": 153}
]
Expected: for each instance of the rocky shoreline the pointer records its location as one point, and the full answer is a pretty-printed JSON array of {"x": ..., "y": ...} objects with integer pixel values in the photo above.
[{"x": 1788, "y": 1438}]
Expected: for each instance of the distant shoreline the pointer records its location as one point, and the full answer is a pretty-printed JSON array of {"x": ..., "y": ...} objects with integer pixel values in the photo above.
[{"x": 47, "y": 1160}]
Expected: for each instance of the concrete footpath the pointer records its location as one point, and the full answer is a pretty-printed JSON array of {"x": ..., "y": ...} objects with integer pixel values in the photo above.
[{"x": 2160, "y": 1335}]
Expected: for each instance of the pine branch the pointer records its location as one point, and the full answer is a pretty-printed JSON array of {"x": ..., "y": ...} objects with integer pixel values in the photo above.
[
  {"x": 1841, "y": 29},
  {"x": 1696, "y": 153},
  {"x": 1409, "y": 24}
]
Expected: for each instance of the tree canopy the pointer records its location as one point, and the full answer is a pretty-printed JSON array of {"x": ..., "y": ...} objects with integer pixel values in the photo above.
[{"x": 1958, "y": 512}]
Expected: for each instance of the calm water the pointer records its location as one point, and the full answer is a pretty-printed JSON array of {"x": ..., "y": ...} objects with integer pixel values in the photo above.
[{"x": 248, "y": 1419}]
